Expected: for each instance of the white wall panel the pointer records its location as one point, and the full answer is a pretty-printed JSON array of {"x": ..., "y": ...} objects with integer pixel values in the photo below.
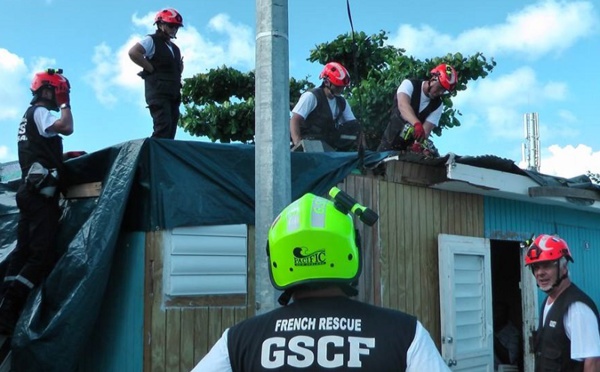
[
  {"x": 190, "y": 285},
  {"x": 206, "y": 260},
  {"x": 208, "y": 265}
]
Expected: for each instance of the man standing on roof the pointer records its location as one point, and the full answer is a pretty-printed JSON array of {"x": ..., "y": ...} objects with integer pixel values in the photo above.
[
  {"x": 568, "y": 336},
  {"x": 324, "y": 114},
  {"x": 417, "y": 109},
  {"x": 41, "y": 161},
  {"x": 315, "y": 258},
  {"x": 163, "y": 65}
]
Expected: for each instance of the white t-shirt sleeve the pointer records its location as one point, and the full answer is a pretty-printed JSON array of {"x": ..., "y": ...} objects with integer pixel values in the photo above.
[
  {"x": 43, "y": 120},
  {"x": 434, "y": 117},
  {"x": 217, "y": 359},
  {"x": 581, "y": 327},
  {"x": 148, "y": 44},
  {"x": 406, "y": 87},
  {"x": 422, "y": 354},
  {"x": 347, "y": 115},
  {"x": 306, "y": 104}
]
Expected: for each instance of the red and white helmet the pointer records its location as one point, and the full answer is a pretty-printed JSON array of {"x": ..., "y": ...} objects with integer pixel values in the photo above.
[
  {"x": 51, "y": 78},
  {"x": 446, "y": 75},
  {"x": 170, "y": 16},
  {"x": 547, "y": 248},
  {"x": 336, "y": 74}
]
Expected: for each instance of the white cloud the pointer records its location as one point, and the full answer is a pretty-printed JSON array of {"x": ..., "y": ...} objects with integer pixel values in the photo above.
[
  {"x": 14, "y": 94},
  {"x": 115, "y": 75},
  {"x": 569, "y": 161},
  {"x": 547, "y": 27},
  {"x": 145, "y": 22},
  {"x": 5, "y": 154},
  {"x": 42, "y": 63},
  {"x": 240, "y": 46},
  {"x": 102, "y": 78},
  {"x": 567, "y": 116},
  {"x": 500, "y": 102}
]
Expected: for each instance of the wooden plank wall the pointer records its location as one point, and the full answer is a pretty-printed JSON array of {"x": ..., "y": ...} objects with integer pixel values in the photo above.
[
  {"x": 365, "y": 190},
  {"x": 400, "y": 267},
  {"x": 175, "y": 339},
  {"x": 411, "y": 217}
]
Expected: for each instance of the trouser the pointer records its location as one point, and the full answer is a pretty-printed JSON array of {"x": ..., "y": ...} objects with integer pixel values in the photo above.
[
  {"x": 35, "y": 253},
  {"x": 347, "y": 136},
  {"x": 165, "y": 115},
  {"x": 343, "y": 138},
  {"x": 391, "y": 139}
]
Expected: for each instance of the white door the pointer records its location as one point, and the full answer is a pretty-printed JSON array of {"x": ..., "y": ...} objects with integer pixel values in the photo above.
[{"x": 466, "y": 303}]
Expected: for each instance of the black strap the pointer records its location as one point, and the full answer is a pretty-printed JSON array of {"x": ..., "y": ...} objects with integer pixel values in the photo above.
[
  {"x": 5, "y": 348},
  {"x": 341, "y": 105},
  {"x": 415, "y": 101},
  {"x": 360, "y": 147}
]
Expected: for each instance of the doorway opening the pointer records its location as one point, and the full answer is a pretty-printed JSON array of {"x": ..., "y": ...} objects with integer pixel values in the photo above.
[{"x": 507, "y": 304}]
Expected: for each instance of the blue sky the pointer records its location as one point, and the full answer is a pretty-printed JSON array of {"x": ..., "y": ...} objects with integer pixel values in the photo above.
[{"x": 548, "y": 55}]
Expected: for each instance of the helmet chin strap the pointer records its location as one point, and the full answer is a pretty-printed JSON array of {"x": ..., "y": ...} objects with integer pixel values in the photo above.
[
  {"x": 50, "y": 104},
  {"x": 429, "y": 87},
  {"x": 166, "y": 34},
  {"x": 556, "y": 283},
  {"x": 328, "y": 85}
]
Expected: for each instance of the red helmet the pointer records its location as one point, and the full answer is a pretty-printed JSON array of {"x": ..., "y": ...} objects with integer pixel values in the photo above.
[
  {"x": 446, "y": 75},
  {"x": 51, "y": 78},
  {"x": 169, "y": 15},
  {"x": 547, "y": 248},
  {"x": 336, "y": 74}
]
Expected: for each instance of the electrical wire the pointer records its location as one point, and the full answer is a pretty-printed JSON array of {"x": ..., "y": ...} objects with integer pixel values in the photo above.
[{"x": 361, "y": 138}]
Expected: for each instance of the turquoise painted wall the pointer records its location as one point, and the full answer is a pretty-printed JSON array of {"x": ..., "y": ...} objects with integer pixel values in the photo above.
[
  {"x": 514, "y": 220},
  {"x": 117, "y": 341}
]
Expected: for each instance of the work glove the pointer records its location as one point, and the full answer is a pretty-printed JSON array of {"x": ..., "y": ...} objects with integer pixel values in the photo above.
[
  {"x": 416, "y": 147},
  {"x": 63, "y": 97},
  {"x": 144, "y": 74},
  {"x": 419, "y": 132}
]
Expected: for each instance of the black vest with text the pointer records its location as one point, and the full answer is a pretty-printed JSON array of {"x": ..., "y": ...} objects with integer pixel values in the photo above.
[
  {"x": 391, "y": 139},
  {"x": 320, "y": 124},
  {"x": 165, "y": 81},
  {"x": 415, "y": 103},
  {"x": 33, "y": 147},
  {"x": 323, "y": 334},
  {"x": 552, "y": 346}
]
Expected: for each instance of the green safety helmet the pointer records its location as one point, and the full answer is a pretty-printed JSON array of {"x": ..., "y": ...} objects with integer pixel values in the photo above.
[{"x": 312, "y": 242}]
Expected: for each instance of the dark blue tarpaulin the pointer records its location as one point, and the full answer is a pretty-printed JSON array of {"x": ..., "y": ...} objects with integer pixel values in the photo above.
[{"x": 146, "y": 185}]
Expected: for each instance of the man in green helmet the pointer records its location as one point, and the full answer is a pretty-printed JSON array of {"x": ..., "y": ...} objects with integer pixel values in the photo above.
[{"x": 314, "y": 257}]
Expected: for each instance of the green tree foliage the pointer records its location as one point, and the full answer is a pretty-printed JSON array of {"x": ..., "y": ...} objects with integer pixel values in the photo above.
[
  {"x": 377, "y": 71},
  {"x": 594, "y": 177},
  {"x": 220, "y": 105}
]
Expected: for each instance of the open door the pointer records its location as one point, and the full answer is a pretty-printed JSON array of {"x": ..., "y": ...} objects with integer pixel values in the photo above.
[
  {"x": 530, "y": 313},
  {"x": 466, "y": 303}
]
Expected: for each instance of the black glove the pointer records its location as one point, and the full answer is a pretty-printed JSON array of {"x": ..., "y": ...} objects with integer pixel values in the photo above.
[{"x": 143, "y": 74}]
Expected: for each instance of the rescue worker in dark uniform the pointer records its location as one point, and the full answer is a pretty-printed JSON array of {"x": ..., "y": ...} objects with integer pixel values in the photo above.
[
  {"x": 417, "y": 109},
  {"x": 568, "y": 336},
  {"x": 323, "y": 114},
  {"x": 41, "y": 160},
  {"x": 163, "y": 65},
  {"x": 315, "y": 258}
]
